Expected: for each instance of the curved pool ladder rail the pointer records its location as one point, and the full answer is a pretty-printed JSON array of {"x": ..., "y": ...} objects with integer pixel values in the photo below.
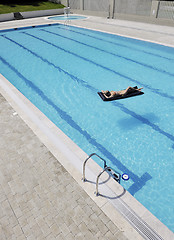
[
  {"x": 84, "y": 164},
  {"x": 112, "y": 173}
]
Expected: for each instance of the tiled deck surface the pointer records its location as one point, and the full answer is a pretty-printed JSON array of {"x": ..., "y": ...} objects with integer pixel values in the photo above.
[{"x": 38, "y": 197}]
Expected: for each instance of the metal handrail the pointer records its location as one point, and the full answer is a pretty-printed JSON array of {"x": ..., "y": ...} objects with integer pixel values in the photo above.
[
  {"x": 105, "y": 169},
  {"x": 114, "y": 174},
  {"x": 84, "y": 164},
  {"x": 110, "y": 172}
]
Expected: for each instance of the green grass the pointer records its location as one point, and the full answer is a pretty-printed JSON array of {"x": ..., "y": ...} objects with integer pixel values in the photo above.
[{"x": 8, "y": 6}]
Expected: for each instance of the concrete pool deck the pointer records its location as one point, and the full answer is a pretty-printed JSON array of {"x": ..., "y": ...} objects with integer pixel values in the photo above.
[
  {"x": 39, "y": 198},
  {"x": 42, "y": 195}
]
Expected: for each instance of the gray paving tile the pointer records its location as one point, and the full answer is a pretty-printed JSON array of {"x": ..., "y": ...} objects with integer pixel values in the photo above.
[{"x": 36, "y": 191}]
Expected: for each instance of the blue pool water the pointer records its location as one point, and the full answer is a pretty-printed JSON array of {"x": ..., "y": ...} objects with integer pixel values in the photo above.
[
  {"x": 60, "y": 69},
  {"x": 65, "y": 17}
]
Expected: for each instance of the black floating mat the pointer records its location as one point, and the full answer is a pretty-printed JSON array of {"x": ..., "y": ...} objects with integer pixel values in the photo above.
[{"x": 136, "y": 93}]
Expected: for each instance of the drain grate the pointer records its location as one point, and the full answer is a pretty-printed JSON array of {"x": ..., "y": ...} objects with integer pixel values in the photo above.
[{"x": 142, "y": 227}]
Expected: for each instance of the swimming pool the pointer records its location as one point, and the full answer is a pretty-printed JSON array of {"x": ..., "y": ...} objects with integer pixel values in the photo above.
[
  {"x": 60, "y": 69},
  {"x": 67, "y": 17}
]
